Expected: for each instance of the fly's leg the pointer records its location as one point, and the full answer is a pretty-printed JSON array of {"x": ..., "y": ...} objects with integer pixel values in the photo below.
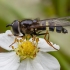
[
  {"x": 47, "y": 40},
  {"x": 16, "y": 40}
]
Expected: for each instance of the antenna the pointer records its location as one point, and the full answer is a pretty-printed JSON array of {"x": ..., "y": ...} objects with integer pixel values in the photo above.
[{"x": 9, "y": 25}]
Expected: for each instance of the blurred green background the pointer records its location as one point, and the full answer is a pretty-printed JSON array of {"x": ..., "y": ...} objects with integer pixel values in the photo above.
[{"x": 11, "y": 10}]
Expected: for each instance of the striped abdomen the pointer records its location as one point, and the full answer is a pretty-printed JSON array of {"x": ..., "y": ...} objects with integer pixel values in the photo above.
[{"x": 52, "y": 27}]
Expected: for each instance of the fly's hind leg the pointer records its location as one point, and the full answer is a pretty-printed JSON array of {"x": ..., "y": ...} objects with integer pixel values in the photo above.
[{"x": 47, "y": 40}]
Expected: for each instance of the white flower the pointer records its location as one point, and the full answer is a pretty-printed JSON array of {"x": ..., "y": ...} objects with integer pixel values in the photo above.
[{"x": 38, "y": 59}]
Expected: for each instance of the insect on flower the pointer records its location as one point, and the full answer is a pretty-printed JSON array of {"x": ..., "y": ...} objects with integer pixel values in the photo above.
[
  {"x": 40, "y": 27},
  {"x": 27, "y": 54}
]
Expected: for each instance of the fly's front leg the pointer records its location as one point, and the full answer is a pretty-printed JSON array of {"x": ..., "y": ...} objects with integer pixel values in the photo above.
[
  {"x": 16, "y": 40},
  {"x": 47, "y": 40}
]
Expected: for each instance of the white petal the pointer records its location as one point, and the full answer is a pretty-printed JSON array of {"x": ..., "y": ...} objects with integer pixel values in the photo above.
[
  {"x": 43, "y": 61},
  {"x": 30, "y": 64},
  {"x": 47, "y": 61},
  {"x": 45, "y": 47},
  {"x": 36, "y": 65},
  {"x": 23, "y": 65},
  {"x": 9, "y": 61},
  {"x": 6, "y": 41}
]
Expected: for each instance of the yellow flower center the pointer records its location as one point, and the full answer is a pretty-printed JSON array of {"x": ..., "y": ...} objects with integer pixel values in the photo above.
[{"x": 26, "y": 48}]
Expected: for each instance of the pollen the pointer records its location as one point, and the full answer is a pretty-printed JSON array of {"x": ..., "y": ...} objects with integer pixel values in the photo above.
[{"x": 27, "y": 48}]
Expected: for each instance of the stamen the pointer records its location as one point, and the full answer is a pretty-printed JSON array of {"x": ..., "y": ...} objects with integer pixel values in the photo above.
[
  {"x": 26, "y": 48},
  {"x": 21, "y": 40},
  {"x": 12, "y": 47},
  {"x": 37, "y": 39}
]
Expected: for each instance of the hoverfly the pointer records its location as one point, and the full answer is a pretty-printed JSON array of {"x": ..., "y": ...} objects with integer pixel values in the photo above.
[{"x": 36, "y": 27}]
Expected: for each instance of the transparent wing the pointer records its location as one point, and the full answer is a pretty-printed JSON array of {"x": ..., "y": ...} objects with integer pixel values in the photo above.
[
  {"x": 65, "y": 21},
  {"x": 59, "y": 22}
]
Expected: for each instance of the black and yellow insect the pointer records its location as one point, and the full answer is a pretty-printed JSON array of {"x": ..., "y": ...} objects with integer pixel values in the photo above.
[
  {"x": 29, "y": 26},
  {"x": 37, "y": 27}
]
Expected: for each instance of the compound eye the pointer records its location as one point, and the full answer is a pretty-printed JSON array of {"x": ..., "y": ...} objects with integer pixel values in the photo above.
[{"x": 15, "y": 28}]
